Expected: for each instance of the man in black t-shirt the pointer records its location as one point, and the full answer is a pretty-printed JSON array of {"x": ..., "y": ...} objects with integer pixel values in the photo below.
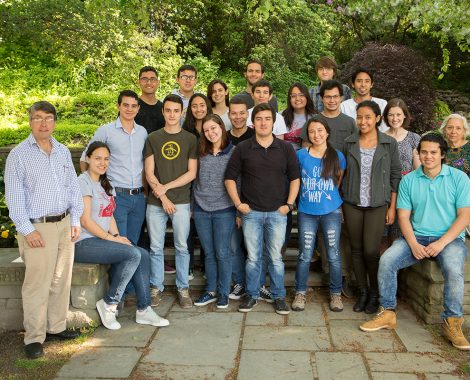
[
  {"x": 150, "y": 114},
  {"x": 238, "y": 115}
]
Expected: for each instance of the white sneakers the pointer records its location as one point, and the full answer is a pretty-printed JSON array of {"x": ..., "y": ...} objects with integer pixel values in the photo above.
[
  {"x": 108, "y": 316},
  {"x": 149, "y": 317},
  {"x": 146, "y": 317}
]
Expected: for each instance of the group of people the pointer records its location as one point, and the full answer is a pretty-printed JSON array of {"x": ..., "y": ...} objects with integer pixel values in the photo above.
[{"x": 231, "y": 171}]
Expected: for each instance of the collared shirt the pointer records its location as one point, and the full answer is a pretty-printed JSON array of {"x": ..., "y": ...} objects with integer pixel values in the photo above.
[
  {"x": 126, "y": 163},
  {"x": 348, "y": 107},
  {"x": 185, "y": 104},
  {"x": 38, "y": 184},
  {"x": 433, "y": 202},
  {"x": 265, "y": 172}
]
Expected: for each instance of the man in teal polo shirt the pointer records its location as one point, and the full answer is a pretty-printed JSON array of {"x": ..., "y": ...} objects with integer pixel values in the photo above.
[{"x": 433, "y": 210}]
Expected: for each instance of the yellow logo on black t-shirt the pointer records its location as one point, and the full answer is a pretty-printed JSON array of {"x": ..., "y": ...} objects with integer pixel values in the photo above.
[{"x": 170, "y": 150}]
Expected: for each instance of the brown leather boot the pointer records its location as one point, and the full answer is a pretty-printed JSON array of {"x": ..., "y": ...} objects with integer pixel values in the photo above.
[{"x": 452, "y": 329}]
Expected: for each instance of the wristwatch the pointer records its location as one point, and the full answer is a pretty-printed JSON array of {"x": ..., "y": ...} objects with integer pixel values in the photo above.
[{"x": 291, "y": 206}]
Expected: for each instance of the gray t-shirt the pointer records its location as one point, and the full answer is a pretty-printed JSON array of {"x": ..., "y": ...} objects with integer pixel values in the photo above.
[
  {"x": 102, "y": 205},
  {"x": 341, "y": 126}
]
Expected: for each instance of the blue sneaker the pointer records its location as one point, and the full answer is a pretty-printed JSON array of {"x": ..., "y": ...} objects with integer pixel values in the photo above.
[
  {"x": 222, "y": 302},
  {"x": 205, "y": 299}
]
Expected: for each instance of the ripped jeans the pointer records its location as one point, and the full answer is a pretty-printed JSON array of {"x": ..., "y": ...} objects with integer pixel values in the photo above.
[{"x": 330, "y": 225}]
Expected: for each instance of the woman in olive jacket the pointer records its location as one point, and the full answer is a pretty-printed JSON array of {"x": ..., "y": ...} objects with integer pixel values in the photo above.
[{"x": 369, "y": 189}]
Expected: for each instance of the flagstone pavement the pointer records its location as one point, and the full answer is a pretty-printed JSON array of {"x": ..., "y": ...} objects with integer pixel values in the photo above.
[{"x": 207, "y": 343}]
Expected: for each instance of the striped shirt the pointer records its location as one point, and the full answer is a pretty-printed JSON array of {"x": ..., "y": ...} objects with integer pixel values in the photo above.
[
  {"x": 38, "y": 184},
  {"x": 126, "y": 163}
]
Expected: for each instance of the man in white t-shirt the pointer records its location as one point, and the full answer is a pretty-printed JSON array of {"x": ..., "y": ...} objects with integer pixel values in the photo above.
[
  {"x": 262, "y": 92},
  {"x": 362, "y": 81}
]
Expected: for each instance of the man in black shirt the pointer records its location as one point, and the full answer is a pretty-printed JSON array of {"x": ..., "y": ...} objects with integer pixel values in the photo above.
[
  {"x": 238, "y": 115},
  {"x": 269, "y": 171},
  {"x": 150, "y": 114}
]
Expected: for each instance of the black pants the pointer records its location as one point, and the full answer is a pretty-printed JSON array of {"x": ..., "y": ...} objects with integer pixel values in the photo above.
[{"x": 365, "y": 226}]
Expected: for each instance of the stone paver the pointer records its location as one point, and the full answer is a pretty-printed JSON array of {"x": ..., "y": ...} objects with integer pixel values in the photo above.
[
  {"x": 347, "y": 313},
  {"x": 311, "y": 316},
  {"x": 393, "y": 376},
  {"x": 412, "y": 334},
  {"x": 131, "y": 334},
  {"x": 442, "y": 376},
  {"x": 207, "y": 339},
  {"x": 273, "y": 365},
  {"x": 158, "y": 371},
  {"x": 101, "y": 362},
  {"x": 340, "y": 365},
  {"x": 265, "y": 319},
  {"x": 408, "y": 362},
  {"x": 347, "y": 337},
  {"x": 165, "y": 304},
  {"x": 275, "y": 338}
]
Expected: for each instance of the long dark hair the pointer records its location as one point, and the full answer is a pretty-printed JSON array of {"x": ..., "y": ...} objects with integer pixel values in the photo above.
[
  {"x": 288, "y": 113},
  {"x": 330, "y": 160},
  {"x": 104, "y": 181},
  {"x": 190, "y": 120},
  {"x": 205, "y": 146}
]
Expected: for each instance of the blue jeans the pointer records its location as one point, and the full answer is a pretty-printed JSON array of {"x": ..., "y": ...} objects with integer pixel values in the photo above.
[
  {"x": 215, "y": 231},
  {"x": 130, "y": 263},
  {"x": 156, "y": 225},
  {"x": 264, "y": 231},
  {"x": 130, "y": 215},
  {"x": 451, "y": 261},
  {"x": 238, "y": 257},
  {"x": 308, "y": 227}
]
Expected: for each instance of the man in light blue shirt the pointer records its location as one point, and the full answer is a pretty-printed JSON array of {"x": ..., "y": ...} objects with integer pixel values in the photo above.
[
  {"x": 126, "y": 141},
  {"x": 45, "y": 203},
  {"x": 433, "y": 211}
]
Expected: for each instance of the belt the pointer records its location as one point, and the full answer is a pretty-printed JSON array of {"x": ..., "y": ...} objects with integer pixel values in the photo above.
[
  {"x": 50, "y": 218},
  {"x": 135, "y": 191}
]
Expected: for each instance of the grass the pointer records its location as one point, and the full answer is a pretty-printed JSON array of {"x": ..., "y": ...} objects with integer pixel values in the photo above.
[{"x": 15, "y": 366}]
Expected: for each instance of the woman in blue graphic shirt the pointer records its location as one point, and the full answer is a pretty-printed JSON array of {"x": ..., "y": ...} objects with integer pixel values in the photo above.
[{"x": 322, "y": 168}]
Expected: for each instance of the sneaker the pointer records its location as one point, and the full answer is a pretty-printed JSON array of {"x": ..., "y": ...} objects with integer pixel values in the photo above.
[
  {"x": 149, "y": 317},
  {"x": 281, "y": 307},
  {"x": 222, "y": 302},
  {"x": 336, "y": 303},
  {"x": 299, "y": 302},
  {"x": 190, "y": 275},
  {"x": 452, "y": 330},
  {"x": 184, "y": 298},
  {"x": 384, "y": 319},
  {"x": 247, "y": 304},
  {"x": 265, "y": 295},
  {"x": 107, "y": 316},
  {"x": 169, "y": 270},
  {"x": 206, "y": 299},
  {"x": 237, "y": 292},
  {"x": 156, "y": 296}
]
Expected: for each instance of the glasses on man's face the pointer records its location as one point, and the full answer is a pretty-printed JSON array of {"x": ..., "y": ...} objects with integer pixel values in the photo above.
[
  {"x": 187, "y": 77},
  {"x": 147, "y": 80},
  {"x": 40, "y": 120},
  {"x": 293, "y": 96},
  {"x": 331, "y": 97}
]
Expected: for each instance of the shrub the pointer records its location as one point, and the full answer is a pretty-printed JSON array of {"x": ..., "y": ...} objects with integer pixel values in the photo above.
[{"x": 399, "y": 72}]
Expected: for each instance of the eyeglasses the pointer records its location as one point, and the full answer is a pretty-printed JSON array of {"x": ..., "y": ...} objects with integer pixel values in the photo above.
[
  {"x": 40, "y": 120},
  {"x": 151, "y": 80},
  {"x": 188, "y": 77},
  {"x": 293, "y": 96},
  {"x": 331, "y": 97}
]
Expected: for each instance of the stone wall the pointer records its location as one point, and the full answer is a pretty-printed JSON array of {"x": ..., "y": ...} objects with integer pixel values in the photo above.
[
  {"x": 89, "y": 282},
  {"x": 456, "y": 102}
]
